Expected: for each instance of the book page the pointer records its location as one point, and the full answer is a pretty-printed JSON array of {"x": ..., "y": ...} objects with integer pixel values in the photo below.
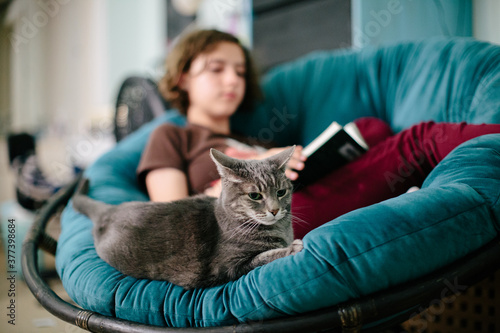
[
  {"x": 321, "y": 139},
  {"x": 354, "y": 132}
]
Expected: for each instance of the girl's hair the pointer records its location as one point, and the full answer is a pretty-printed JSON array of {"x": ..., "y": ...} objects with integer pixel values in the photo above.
[{"x": 182, "y": 55}]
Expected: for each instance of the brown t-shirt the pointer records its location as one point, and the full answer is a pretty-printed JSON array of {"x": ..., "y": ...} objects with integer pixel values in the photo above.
[{"x": 187, "y": 149}]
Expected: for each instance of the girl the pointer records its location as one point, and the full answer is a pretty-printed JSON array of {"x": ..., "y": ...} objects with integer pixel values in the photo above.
[{"x": 210, "y": 76}]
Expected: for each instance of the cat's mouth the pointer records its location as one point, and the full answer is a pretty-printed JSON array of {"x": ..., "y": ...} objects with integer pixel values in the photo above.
[
  {"x": 264, "y": 222},
  {"x": 268, "y": 218}
]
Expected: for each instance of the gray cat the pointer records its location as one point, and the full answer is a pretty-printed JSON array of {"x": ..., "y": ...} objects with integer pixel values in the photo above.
[{"x": 201, "y": 241}]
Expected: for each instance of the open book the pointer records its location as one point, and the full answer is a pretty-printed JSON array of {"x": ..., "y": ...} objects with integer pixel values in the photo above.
[{"x": 334, "y": 147}]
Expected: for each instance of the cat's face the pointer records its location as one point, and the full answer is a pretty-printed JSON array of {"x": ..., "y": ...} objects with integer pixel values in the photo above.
[
  {"x": 256, "y": 191},
  {"x": 265, "y": 198}
]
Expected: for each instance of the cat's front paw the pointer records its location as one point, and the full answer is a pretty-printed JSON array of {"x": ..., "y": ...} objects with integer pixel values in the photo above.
[{"x": 297, "y": 246}]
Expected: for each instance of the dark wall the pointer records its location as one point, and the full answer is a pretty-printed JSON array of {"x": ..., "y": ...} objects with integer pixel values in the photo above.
[{"x": 287, "y": 29}]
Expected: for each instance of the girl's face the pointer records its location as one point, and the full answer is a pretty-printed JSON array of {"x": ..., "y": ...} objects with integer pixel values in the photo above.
[{"x": 215, "y": 82}]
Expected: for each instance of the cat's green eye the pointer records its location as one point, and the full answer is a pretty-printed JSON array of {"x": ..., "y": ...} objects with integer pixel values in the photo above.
[
  {"x": 281, "y": 193},
  {"x": 255, "y": 196}
]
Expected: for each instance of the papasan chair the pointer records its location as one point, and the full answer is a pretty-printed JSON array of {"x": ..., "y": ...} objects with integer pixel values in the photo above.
[{"x": 365, "y": 270}]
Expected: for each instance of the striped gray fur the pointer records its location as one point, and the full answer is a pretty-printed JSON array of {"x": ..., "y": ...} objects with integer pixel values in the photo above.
[{"x": 200, "y": 241}]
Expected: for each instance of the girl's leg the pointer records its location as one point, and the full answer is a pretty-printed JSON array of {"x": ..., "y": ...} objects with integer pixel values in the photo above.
[{"x": 388, "y": 169}]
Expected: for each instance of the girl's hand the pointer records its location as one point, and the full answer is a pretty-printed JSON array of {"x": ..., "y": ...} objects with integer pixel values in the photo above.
[
  {"x": 215, "y": 189},
  {"x": 296, "y": 162}
]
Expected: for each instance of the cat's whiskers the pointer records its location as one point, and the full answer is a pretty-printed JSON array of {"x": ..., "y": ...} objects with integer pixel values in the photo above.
[
  {"x": 252, "y": 226},
  {"x": 298, "y": 220},
  {"x": 249, "y": 228},
  {"x": 243, "y": 229},
  {"x": 237, "y": 232},
  {"x": 234, "y": 233}
]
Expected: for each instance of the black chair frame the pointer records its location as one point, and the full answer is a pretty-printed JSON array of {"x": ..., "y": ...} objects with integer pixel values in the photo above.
[{"x": 367, "y": 314}]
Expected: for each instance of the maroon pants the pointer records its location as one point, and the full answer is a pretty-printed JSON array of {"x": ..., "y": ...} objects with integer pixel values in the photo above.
[{"x": 392, "y": 165}]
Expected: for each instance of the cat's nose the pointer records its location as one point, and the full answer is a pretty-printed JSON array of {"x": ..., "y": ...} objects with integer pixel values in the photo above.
[{"x": 274, "y": 211}]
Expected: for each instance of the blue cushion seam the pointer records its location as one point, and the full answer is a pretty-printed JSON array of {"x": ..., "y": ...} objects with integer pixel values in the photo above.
[
  {"x": 498, "y": 197},
  {"x": 176, "y": 314},
  {"x": 125, "y": 293},
  {"x": 162, "y": 310},
  {"x": 417, "y": 231},
  {"x": 265, "y": 301},
  {"x": 339, "y": 276}
]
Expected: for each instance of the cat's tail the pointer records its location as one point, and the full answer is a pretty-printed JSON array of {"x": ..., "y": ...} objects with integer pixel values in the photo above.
[{"x": 85, "y": 205}]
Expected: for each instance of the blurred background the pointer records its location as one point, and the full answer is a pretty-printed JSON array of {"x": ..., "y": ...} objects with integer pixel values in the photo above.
[{"x": 63, "y": 63}]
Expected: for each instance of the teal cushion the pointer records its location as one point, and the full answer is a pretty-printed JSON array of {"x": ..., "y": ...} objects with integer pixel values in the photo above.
[{"x": 364, "y": 251}]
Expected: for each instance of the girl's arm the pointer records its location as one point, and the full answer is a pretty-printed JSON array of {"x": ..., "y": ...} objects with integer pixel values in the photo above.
[{"x": 167, "y": 184}]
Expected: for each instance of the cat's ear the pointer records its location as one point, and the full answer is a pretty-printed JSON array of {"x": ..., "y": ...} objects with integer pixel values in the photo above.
[
  {"x": 282, "y": 158},
  {"x": 225, "y": 165}
]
